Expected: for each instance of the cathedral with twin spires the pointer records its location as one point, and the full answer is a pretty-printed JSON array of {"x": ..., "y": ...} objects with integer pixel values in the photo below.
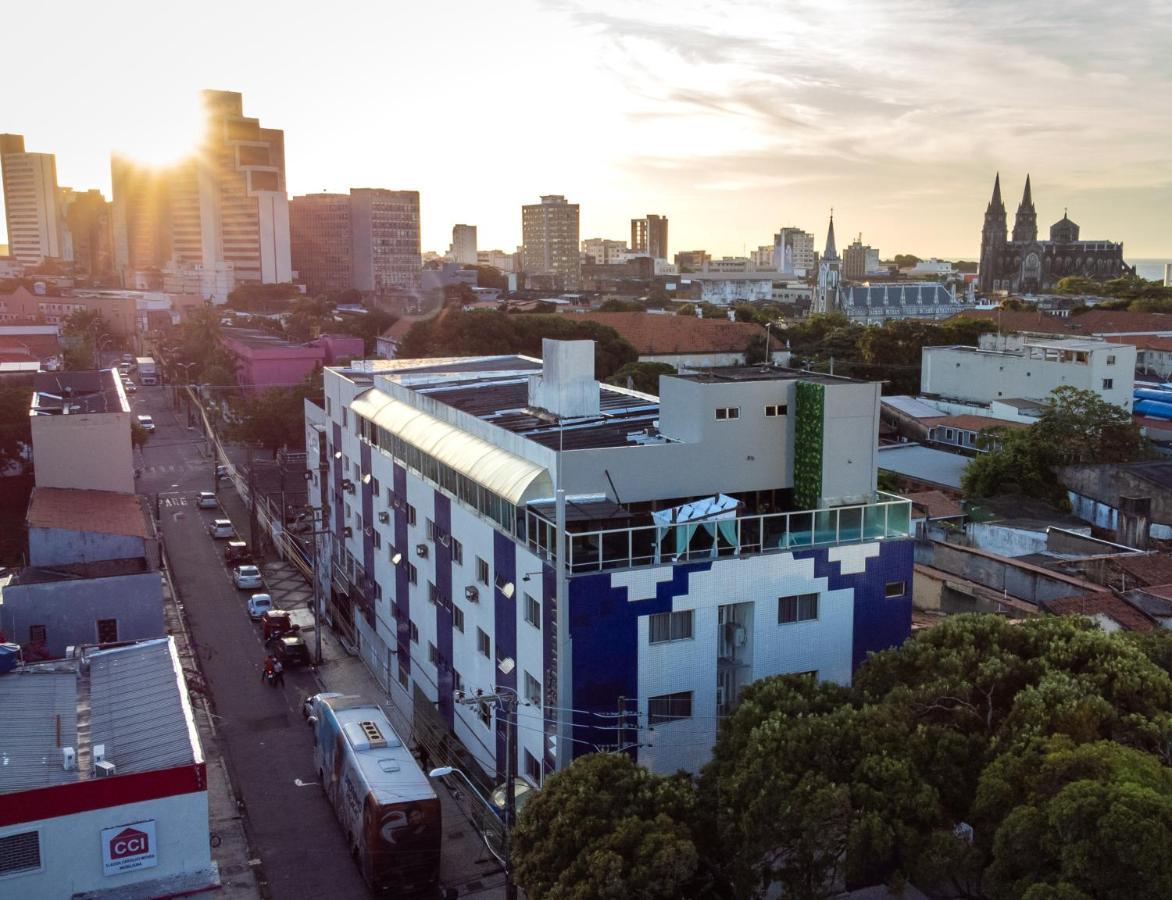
[{"x": 1024, "y": 264}]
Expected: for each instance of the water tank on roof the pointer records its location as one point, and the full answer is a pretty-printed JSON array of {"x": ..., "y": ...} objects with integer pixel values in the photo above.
[
  {"x": 1153, "y": 408},
  {"x": 9, "y": 657},
  {"x": 1152, "y": 394}
]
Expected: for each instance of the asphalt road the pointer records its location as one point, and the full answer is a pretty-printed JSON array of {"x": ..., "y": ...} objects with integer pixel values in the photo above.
[{"x": 266, "y": 741}]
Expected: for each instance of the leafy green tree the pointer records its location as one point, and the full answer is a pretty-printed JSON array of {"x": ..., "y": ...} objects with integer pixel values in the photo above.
[
  {"x": 641, "y": 376},
  {"x": 606, "y": 829},
  {"x": 688, "y": 309},
  {"x": 615, "y": 305},
  {"x": 15, "y": 430},
  {"x": 275, "y": 418},
  {"x": 263, "y": 298}
]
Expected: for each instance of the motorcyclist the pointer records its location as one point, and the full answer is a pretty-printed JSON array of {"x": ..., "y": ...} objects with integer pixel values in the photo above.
[{"x": 269, "y": 672}]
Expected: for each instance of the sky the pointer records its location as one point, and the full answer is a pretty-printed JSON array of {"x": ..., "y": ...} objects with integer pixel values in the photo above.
[{"x": 732, "y": 118}]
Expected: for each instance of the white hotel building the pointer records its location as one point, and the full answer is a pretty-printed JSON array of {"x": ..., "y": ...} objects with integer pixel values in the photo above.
[{"x": 632, "y": 561}]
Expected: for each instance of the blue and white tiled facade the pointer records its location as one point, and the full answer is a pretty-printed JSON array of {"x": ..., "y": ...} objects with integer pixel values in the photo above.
[{"x": 443, "y": 591}]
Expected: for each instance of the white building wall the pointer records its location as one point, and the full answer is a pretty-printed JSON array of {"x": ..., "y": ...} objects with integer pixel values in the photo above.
[
  {"x": 71, "y": 849},
  {"x": 104, "y": 438}
]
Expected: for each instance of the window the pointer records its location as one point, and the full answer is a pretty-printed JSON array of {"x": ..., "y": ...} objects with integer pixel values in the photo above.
[
  {"x": 430, "y": 529},
  {"x": 1110, "y": 360},
  {"x": 357, "y": 473},
  {"x": 457, "y": 680},
  {"x": 20, "y": 852},
  {"x": 484, "y": 711},
  {"x": 457, "y": 618},
  {"x": 1108, "y": 383},
  {"x": 894, "y": 589},
  {"x": 412, "y": 574},
  {"x": 403, "y": 678},
  {"x": 329, "y": 408},
  {"x": 345, "y": 417},
  {"x": 481, "y": 571},
  {"x": 410, "y": 514},
  {"x": 349, "y": 511},
  {"x": 414, "y": 632},
  {"x": 432, "y": 654},
  {"x": 483, "y": 643},
  {"x": 457, "y": 552},
  {"x": 374, "y": 486},
  {"x": 799, "y": 608},
  {"x": 669, "y": 707},
  {"x": 378, "y": 539},
  {"x": 378, "y": 591},
  {"x": 673, "y": 626},
  {"x": 532, "y": 612},
  {"x": 107, "y": 631},
  {"x": 532, "y": 690},
  {"x": 36, "y": 634},
  {"x": 727, "y": 412},
  {"x": 774, "y": 410},
  {"x": 390, "y": 497},
  {"x": 532, "y": 768},
  {"x": 432, "y": 594}
]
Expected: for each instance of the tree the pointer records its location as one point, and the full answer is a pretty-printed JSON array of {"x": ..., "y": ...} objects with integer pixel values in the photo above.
[
  {"x": 275, "y": 418},
  {"x": 641, "y": 376},
  {"x": 614, "y": 305},
  {"x": 15, "y": 431},
  {"x": 263, "y": 298},
  {"x": 606, "y": 829},
  {"x": 138, "y": 435}
]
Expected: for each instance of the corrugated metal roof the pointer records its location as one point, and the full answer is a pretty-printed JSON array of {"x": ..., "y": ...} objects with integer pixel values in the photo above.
[
  {"x": 139, "y": 708},
  {"x": 34, "y": 704},
  {"x": 505, "y": 474},
  {"x": 924, "y": 464}
]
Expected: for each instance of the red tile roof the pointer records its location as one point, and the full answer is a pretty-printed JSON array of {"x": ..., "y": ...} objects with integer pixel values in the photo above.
[
  {"x": 1143, "y": 341},
  {"x": 1151, "y": 568},
  {"x": 1091, "y": 322},
  {"x": 969, "y": 422},
  {"x": 103, "y": 512},
  {"x": 662, "y": 334},
  {"x": 936, "y": 504},
  {"x": 1105, "y": 604},
  {"x": 30, "y": 346}
]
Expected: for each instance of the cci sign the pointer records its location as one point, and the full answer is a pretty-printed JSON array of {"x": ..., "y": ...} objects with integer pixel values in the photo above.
[{"x": 128, "y": 847}]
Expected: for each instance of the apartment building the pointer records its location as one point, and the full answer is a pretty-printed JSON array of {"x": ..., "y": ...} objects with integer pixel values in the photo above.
[
  {"x": 385, "y": 245},
  {"x": 649, "y": 236},
  {"x": 604, "y": 252},
  {"x": 1016, "y": 366},
  {"x": 625, "y": 563},
  {"x": 793, "y": 251},
  {"x": 549, "y": 235},
  {"x": 321, "y": 241},
  {"x": 464, "y": 244},
  {"x": 32, "y": 209}
]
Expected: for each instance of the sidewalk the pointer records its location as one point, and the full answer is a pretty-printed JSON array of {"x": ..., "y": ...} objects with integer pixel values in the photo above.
[
  {"x": 467, "y": 867},
  {"x": 230, "y": 847}
]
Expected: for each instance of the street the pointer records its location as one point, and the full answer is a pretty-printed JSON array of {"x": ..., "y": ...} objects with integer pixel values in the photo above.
[{"x": 293, "y": 829}]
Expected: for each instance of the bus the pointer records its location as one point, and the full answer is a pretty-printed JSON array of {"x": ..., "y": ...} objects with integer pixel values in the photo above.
[{"x": 383, "y": 800}]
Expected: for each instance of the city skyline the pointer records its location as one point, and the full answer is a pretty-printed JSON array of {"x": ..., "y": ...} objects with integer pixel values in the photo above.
[{"x": 730, "y": 122}]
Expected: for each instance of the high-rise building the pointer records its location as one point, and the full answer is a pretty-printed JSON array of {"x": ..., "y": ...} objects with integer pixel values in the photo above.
[
  {"x": 858, "y": 260},
  {"x": 464, "y": 244},
  {"x": 222, "y": 209},
  {"x": 649, "y": 236},
  {"x": 793, "y": 251},
  {"x": 549, "y": 234},
  {"x": 88, "y": 232},
  {"x": 31, "y": 202},
  {"x": 321, "y": 241},
  {"x": 385, "y": 247},
  {"x": 603, "y": 252}
]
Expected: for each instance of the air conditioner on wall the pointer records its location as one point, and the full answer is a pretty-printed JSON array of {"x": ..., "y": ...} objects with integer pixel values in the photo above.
[
  {"x": 384, "y": 517},
  {"x": 347, "y": 531},
  {"x": 421, "y": 551},
  {"x": 348, "y": 485},
  {"x": 471, "y": 593}
]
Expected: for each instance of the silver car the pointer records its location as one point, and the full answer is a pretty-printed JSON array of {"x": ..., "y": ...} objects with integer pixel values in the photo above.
[{"x": 247, "y": 578}]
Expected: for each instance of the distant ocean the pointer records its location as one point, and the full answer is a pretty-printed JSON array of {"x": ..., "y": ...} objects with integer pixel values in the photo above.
[{"x": 1151, "y": 269}]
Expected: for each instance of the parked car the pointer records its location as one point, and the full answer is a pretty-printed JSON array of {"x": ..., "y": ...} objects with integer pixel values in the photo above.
[
  {"x": 248, "y": 578},
  {"x": 221, "y": 528},
  {"x": 124, "y": 368},
  {"x": 147, "y": 422},
  {"x": 276, "y": 622},
  {"x": 130, "y": 386},
  {"x": 222, "y": 472},
  {"x": 290, "y": 649},
  {"x": 237, "y": 553},
  {"x": 258, "y": 605},
  {"x": 207, "y": 500}
]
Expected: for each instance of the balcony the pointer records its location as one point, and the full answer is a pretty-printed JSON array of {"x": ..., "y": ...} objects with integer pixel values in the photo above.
[{"x": 885, "y": 518}]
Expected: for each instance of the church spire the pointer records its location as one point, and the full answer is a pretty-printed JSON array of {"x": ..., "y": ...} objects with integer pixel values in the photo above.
[
  {"x": 1026, "y": 199},
  {"x": 830, "y": 252},
  {"x": 996, "y": 203},
  {"x": 1025, "y": 226}
]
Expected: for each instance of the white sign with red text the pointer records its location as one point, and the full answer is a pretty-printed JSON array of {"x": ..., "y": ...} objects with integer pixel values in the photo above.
[{"x": 128, "y": 847}]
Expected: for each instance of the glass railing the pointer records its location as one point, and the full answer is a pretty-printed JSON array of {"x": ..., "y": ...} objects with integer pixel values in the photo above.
[{"x": 885, "y": 518}]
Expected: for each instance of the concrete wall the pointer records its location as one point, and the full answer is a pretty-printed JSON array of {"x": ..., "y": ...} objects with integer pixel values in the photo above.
[
  {"x": 708, "y": 360},
  {"x": 999, "y": 573},
  {"x": 965, "y": 373},
  {"x": 88, "y": 452},
  {"x": 1107, "y": 483},
  {"x": 71, "y": 850},
  {"x": 69, "y": 609},
  {"x": 62, "y": 547},
  {"x": 850, "y": 442}
]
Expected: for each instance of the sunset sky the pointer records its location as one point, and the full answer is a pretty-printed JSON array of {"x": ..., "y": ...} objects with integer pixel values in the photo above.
[{"x": 732, "y": 118}]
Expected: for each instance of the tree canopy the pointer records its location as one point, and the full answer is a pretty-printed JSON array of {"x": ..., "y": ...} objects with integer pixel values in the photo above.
[
  {"x": 641, "y": 376},
  {"x": 1077, "y": 427},
  {"x": 983, "y": 758},
  {"x": 275, "y": 418}
]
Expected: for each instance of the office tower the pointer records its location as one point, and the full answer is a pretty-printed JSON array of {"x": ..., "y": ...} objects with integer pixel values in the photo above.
[
  {"x": 138, "y": 212},
  {"x": 464, "y": 244},
  {"x": 793, "y": 251},
  {"x": 320, "y": 238},
  {"x": 385, "y": 252},
  {"x": 88, "y": 232},
  {"x": 549, "y": 235},
  {"x": 31, "y": 202},
  {"x": 857, "y": 259},
  {"x": 649, "y": 236}
]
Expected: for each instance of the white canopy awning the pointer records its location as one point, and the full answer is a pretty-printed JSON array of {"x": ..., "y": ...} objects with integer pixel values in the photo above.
[{"x": 507, "y": 475}]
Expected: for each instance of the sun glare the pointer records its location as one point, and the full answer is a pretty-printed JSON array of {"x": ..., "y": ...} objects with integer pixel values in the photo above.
[{"x": 164, "y": 139}]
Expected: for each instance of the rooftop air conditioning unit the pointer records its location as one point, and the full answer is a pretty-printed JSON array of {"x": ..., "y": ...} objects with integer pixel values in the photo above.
[
  {"x": 105, "y": 769},
  {"x": 68, "y": 759},
  {"x": 384, "y": 517},
  {"x": 421, "y": 551},
  {"x": 471, "y": 593}
]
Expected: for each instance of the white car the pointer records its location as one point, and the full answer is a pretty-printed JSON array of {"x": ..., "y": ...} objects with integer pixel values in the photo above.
[
  {"x": 147, "y": 423},
  {"x": 130, "y": 386},
  {"x": 207, "y": 500},
  {"x": 247, "y": 578},
  {"x": 221, "y": 528},
  {"x": 259, "y": 604}
]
